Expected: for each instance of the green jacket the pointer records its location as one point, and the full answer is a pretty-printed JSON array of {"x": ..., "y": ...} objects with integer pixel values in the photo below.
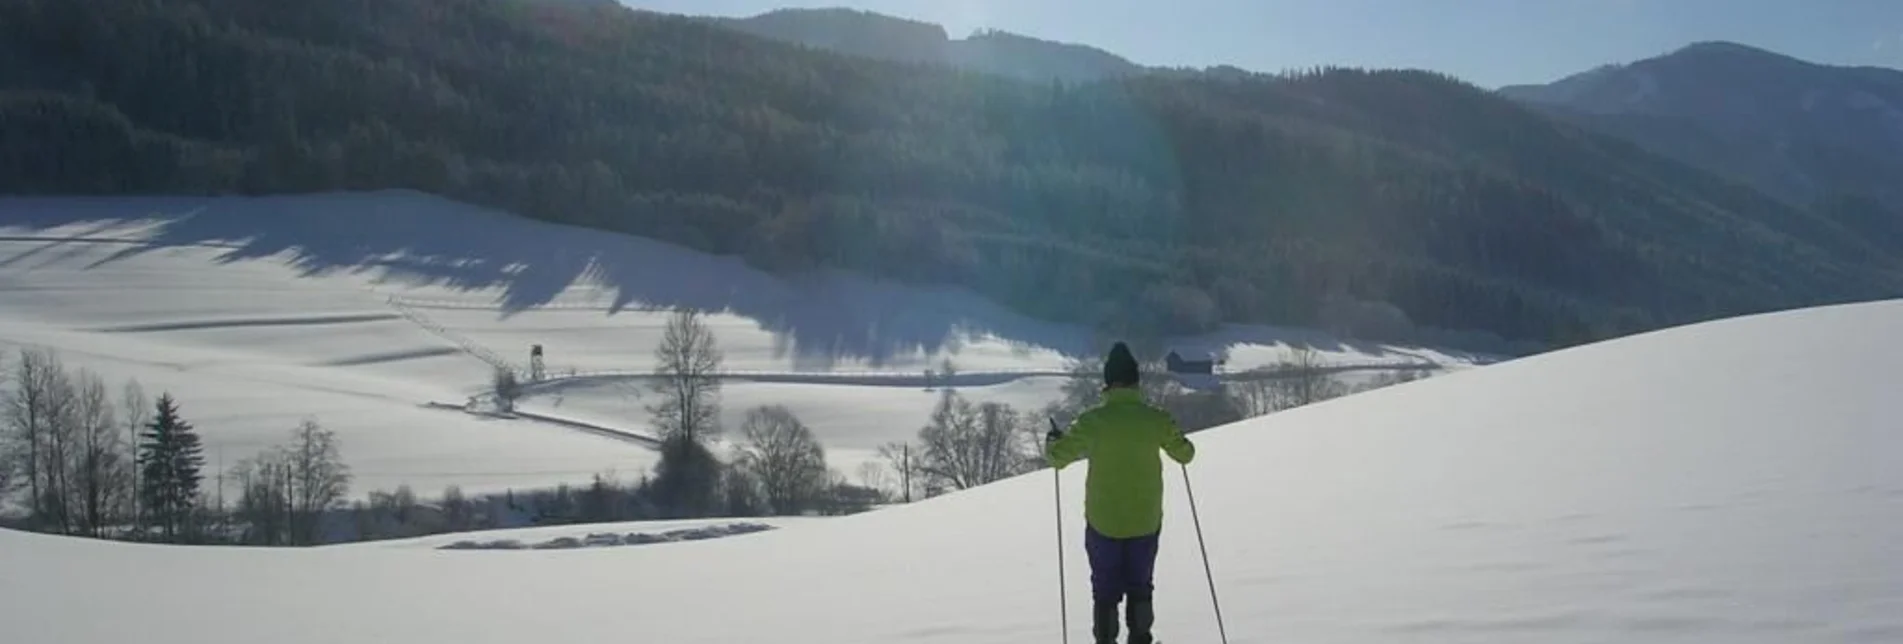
[{"x": 1123, "y": 493}]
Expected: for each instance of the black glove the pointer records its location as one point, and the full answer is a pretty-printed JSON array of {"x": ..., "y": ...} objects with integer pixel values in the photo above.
[{"x": 1052, "y": 436}]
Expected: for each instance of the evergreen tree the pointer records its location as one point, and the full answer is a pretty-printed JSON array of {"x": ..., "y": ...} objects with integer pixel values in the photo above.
[{"x": 173, "y": 459}]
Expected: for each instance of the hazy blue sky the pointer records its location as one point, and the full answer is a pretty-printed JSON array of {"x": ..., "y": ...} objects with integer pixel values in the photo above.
[{"x": 1488, "y": 42}]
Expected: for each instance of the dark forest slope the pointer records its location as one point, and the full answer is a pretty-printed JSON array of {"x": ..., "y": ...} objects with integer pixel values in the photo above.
[
  {"x": 1164, "y": 201},
  {"x": 878, "y": 36},
  {"x": 1810, "y": 134}
]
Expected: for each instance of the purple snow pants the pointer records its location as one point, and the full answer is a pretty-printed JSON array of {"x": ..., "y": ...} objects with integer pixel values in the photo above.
[{"x": 1120, "y": 567}]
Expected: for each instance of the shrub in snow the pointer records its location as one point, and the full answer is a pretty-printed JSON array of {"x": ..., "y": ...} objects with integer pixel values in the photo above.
[
  {"x": 603, "y": 539},
  {"x": 744, "y": 528},
  {"x": 499, "y": 544},
  {"x": 694, "y": 534},
  {"x": 559, "y": 543},
  {"x": 609, "y": 539}
]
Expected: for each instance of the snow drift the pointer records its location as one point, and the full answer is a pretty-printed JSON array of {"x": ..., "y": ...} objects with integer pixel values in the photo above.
[{"x": 1735, "y": 481}]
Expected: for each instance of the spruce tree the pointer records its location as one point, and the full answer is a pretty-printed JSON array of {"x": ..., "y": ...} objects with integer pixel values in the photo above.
[
  {"x": 188, "y": 464},
  {"x": 173, "y": 456}
]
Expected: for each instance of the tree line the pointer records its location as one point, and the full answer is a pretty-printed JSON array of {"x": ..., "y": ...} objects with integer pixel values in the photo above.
[
  {"x": 82, "y": 461},
  {"x": 781, "y": 466},
  {"x": 79, "y": 461},
  {"x": 1152, "y": 203},
  {"x": 966, "y": 444},
  {"x": 89, "y": 463}
]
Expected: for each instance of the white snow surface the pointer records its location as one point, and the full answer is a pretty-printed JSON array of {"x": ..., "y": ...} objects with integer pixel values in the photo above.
[
  {"x": 358, "y": 309},
  {"x": 1729, "y": 482}
]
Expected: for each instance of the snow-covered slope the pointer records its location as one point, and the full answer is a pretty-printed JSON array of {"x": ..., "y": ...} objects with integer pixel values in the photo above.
[
  {"x": 357, "y": 309},
  {"x": 1735, "y": 481}
]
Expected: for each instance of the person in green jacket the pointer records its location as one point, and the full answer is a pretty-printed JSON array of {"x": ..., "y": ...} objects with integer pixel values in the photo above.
[{"x": 1123, "y": 494}]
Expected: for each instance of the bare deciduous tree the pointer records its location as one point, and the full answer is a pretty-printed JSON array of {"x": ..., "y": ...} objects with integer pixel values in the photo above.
[
  {"x": 903, "y": 460},
  {"x": 784, "y": 456},
  {"x": 264, "y": 499},
  {"x": 391, "y": 514},
  {"x": 288, "y": 488},
  {"x": 687, "y": 413},
  {"x": 458, "y": 514},
  {"x": 61, "y": 450},
  {"x": 1083, "y": 386},
  {"x": 102, "y": 485},
  {"x": 25, "y": 412},
  {"x": 687, "y": 379},
  {"x": 1306, "y": 379},
  {"x": 402, "y": 505},
  {"x": 1301, "y": 379},
  {"x": 1391, "y": 378},
  {"x": 134, "y": 413},
  {"x": 319, "y": 478},
  {"x": 1198, "y": 410},
  {"x": 968, "y": 445},
  {"x": 875, "y": 476},
  {"x": 39, "y": 413},
  {"x": 837, "y": 495},
  {"x": 1255, "y": 393},
  {"x": 741, "y": 492}
]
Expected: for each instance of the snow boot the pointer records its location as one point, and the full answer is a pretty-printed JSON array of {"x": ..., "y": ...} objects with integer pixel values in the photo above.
[
  {"x": 1103, "y": 622},
  {"x": 1141, "y": 616}
]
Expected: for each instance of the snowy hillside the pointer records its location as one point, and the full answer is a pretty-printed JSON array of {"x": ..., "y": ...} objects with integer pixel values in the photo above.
[
  {"x": 1733, "y": 482},
  {"x": 359, "y": 310}
]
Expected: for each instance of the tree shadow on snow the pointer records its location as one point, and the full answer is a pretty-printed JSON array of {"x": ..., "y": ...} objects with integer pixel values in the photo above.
[{"x": 411, "y": 239}]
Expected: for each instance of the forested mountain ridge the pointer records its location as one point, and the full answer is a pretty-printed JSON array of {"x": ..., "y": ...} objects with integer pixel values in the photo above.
[
  {"x": 878, "y": 36},
  {"x": 1150, "y": 203},
  {"x": 1814, "y": 135}
]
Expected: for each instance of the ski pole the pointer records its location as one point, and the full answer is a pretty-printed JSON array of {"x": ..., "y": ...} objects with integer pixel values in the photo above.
[
  {"x": 1063, "y": 602},
  {"x": 1205, "y": 549}
]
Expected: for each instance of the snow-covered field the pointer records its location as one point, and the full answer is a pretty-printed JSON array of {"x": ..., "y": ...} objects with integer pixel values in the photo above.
[
  {"x": 358, "y": 309},
  {"x": 1729, "y": 482}
]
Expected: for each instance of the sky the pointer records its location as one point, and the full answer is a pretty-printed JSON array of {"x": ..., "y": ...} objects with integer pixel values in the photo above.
[{"x": 1486, "y": 42}]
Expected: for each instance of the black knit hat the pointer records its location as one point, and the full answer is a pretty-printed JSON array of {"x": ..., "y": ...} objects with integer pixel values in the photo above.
[{"x": 1119, "y": 368}]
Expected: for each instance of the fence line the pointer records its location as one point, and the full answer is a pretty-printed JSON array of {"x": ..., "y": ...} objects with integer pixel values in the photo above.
[
  {"x": 406, "y": 307},
  {"x": 600, "y": 430},
  {"x": 465, "y": 305},
  {"x": 963, "y": 378},
  {"x": 467, "y": 345},
  {"x": 1268, "y": 372},
  {"x": 780, "y": 373}
]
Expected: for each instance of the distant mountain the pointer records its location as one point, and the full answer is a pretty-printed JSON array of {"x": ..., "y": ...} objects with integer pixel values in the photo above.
[
  {"x": 879, "y": 36},
  {"x": 1812, "y": 135}
]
